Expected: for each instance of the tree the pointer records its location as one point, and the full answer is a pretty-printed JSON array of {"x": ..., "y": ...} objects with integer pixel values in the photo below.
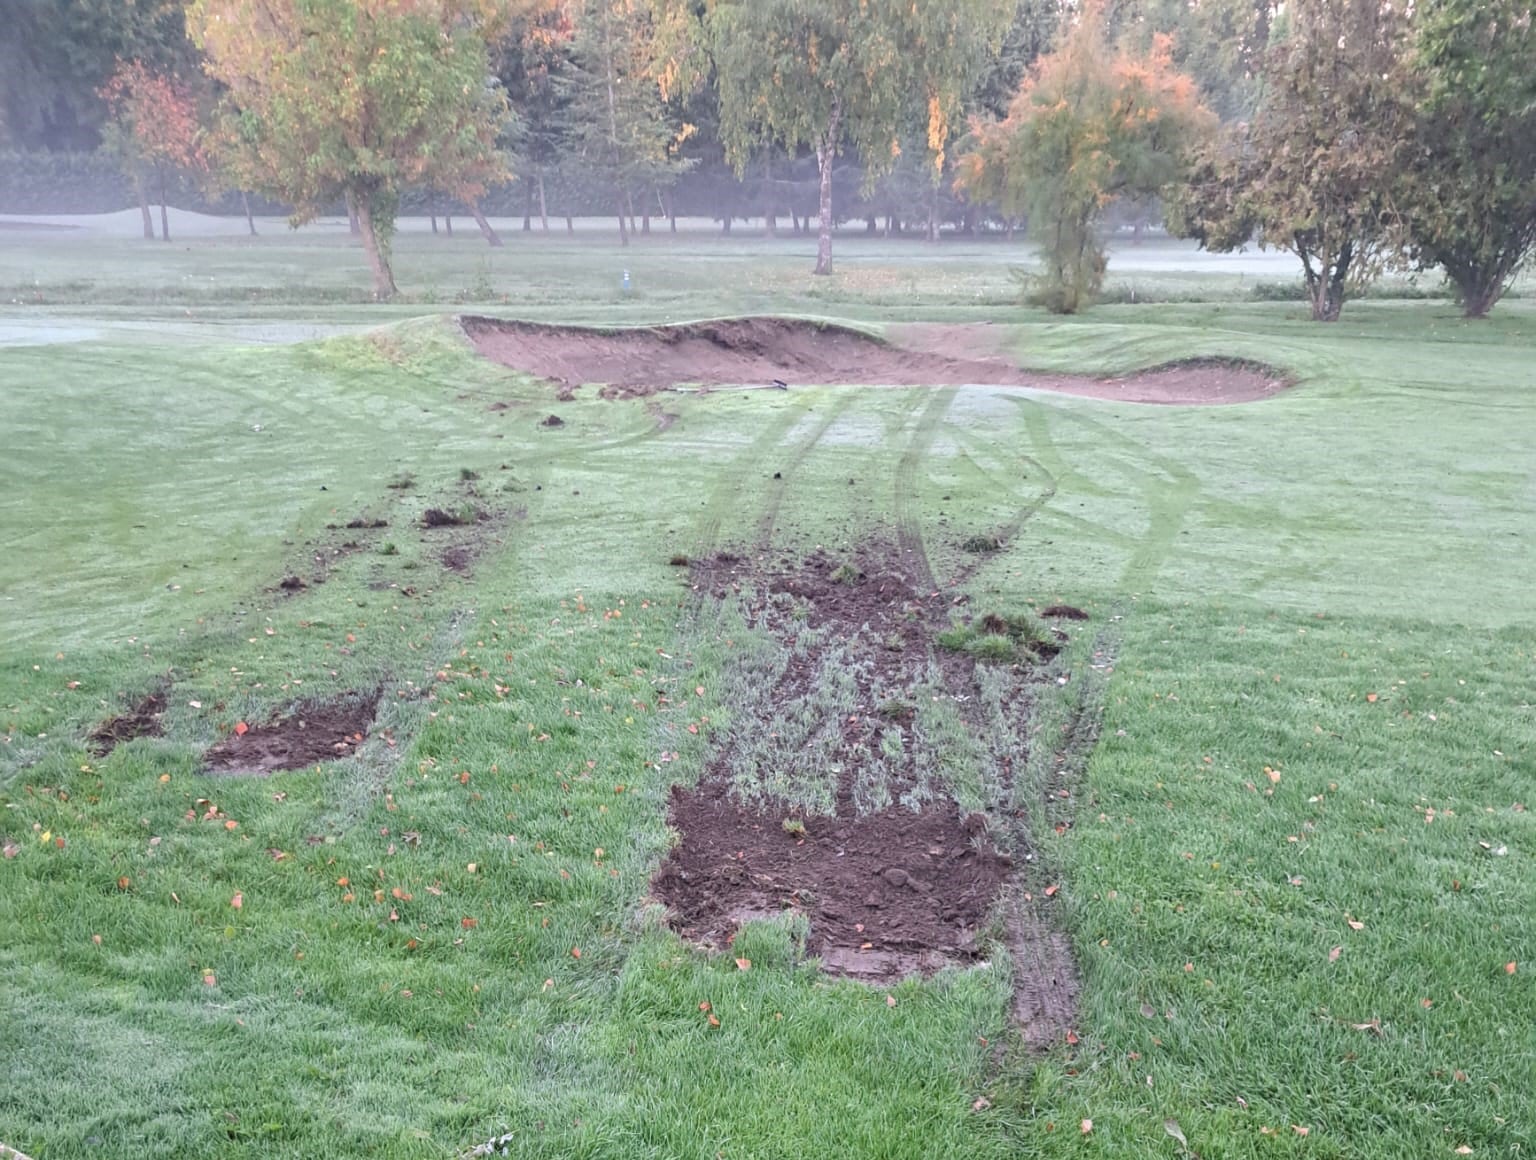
[
  {"x": 537, "y": 69},
  {"x": 1472, "y": 186},
  {"x": 57, "y": 55},
  {"x": 626, "y": 141},
  {"x": 357, "y": 99},
  {"x": 154, "y": 122},
  {"x": 834, "y": 74},
  {"x": 1089, "y": 125},
  {"x": 1317, "y": 171}
]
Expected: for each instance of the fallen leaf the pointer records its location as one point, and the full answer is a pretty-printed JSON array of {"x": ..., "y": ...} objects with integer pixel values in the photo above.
[
  {"x": 124, "y": 882},
  {"x": 1273, "y": 775},
  {"x": 1509, "y": 968},
  {"x": 241, "y": 728},
  {"x": 209, "y": 980},
  {"x": 890, "y": 1000},
  {"x": 195, "y": 704},
  {"x": 473, "y": 868},
  {"x": 1087, "y": 1126},
  {"x": 714, "y": 1020},
  {"x": 1426, "y": 1003},
  {"x": 1355, "y": 924},
  {"x": 238, "y": 900},
  {"x": 981, "y": 1104},
  {"x": 1299, "y": 1130},
  {"x": 469, "y": 923},
  {"x": 575, "y": 952},
  {"x": 96, "y": 938},
  {"x": 1333, "y": 955},
  {"x": 1371, "y": 697},
  {"x": 10, "y": 850},
  {"x": 1463, "y": 1151},
  {"x": 1071, "y": 1038},
  {"x": 743, "y": 964},
  {"x": 1173, "y": 1129},
  {"x": 1051, "y": 890},
  {"x": 1373, "y": 1025}
]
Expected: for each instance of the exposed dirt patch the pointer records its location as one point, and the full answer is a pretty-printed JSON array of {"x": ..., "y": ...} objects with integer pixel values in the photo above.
[
  {"x": 438, "y": 518},
  {"x": 827, "y": 797},
  {"x": 143, "y": 720},
  {"x": 1063, "y": 612},
  {"x": 459, "y": 557},
  {"x": 774, "y": 351},
  {"x": 311, "y": 734},
  {"x": 552, "y": 421}
]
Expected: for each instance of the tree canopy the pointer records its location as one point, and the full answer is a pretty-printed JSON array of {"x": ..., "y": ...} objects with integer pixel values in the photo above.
[
  {"x": 1089, "y": 125},
  {"x": 1317, "y": 172},
  {"x": 357, "y": 99}
]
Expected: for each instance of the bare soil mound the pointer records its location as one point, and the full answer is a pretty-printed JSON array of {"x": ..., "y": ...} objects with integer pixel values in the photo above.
[
  {"x": 788, "y": 352},
  {"x": 827, "y": 797},
  {"x": 326, "y": 731},
  {"x": 143, "y": 720}
]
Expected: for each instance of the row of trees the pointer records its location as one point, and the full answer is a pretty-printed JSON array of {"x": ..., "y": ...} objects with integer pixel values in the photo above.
[{"x": 1358, "y": 135}]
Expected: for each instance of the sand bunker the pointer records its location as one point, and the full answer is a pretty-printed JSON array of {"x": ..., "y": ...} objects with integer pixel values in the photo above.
[{"x": 770, "y": 351}]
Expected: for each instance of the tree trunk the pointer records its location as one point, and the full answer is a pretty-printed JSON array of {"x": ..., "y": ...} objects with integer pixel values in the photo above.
[
  {"x": 492, "y": 238},
  {"x": 726, "y": 223},
  {"x": 645, "y": 221},
  {"x": 570, "y": 224},
  {"x": 623, "y": 222},
  {"x": 143, "y": 192},
  {"x": 165, "y": 216},
  {"x": 871, "y": 225},
  {"x": 933, "y": 213},
  {"x": 527, "y": 208},
  {"x": 826, "y": 157},
  {"x": 378, "y": 257},
  {"x": 448, "y": 224},
  {"x": 354, "y": 225},
  {"x": 1479, "y": 289},
  {"x": 432, "y": 213},
  {"x": 669, "y": 207},
  {"x": 770, "y": 203},
  {"x": 543, "y": 204},
  {"x": 245, "y": 204}
]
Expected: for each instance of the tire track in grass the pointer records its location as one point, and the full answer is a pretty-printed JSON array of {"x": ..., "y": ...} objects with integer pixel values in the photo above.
[
  {"x": 726, "y": 498},
  {"x": 842, "y": 401},
  {"x": 909, "y": 534}
]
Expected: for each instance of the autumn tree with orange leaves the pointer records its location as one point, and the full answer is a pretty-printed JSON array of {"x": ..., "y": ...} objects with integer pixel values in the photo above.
[
  {"x": 154, "y": 126},
  {"x": 1090, "y": 124},
  {"x": 358, "y": 99}
]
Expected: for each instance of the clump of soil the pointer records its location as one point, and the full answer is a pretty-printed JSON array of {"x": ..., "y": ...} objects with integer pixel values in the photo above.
[
  {"x": 292, "y": 584},
  {"x": 310, "y": 735},
  {"x": 1063, "y": 612},
  {"x": 786, "y": 352},
  {"x": 366, "y": 523},
  {"x": 143, "y": 720},
  {"x": 826, "y": 797},
  {"x": 438, "y": 518},
  {"x": 552, "y": 421},
  {"x": 458, "y": 558}
]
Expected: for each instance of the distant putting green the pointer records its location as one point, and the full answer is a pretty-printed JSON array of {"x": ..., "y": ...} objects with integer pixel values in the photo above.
[{"x": 1275, "y": 789}]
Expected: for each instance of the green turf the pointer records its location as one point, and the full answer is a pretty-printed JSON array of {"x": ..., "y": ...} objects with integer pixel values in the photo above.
[{"x": 1329, "y": 586}]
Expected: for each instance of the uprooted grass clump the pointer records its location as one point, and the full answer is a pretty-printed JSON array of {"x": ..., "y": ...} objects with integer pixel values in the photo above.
[{"x": 1010, "y": 637}]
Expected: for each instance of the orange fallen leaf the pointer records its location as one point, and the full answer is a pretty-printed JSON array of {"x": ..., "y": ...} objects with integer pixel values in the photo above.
[
  {"x": 1051, "y": 890},
  {"x": 1072, "y": 1037},
  {"x": 411, "y": 944},
  {"x": 469, "y": 923},
  {"x": 1087, "y": 1126},
  {"x": 124, "y": 882},
  {"x": 241, "y": 728},
  {"x": 209, "y": 980},
  {"x": 348, "y": 897},
  {"x": 1299, "y": 1130},
  {"x": 1371, "y": 697},
  {"x": 1426, "y": 1003},
  {"x": 231, "y": 824},
  {"x": 575, "y": 952},
  {"x": 400, "y": 895},
  {"x": 11, "y": 849},
  {"x": 714, "y": 1020},
  {"x": 743, "y": 964},
  {"x": 1509, "y": 968},
  {"x": 394, "y": 916},
  {"x": 981, "y": 1104},
  {"x": 1333, "y": 955},
  {"x": 238, "y": 900},
  {"x": 96, "y": 938},
  {"x": 890, "y": 1000}
]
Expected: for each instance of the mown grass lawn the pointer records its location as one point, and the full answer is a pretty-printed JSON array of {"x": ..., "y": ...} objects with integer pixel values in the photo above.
[{"x": 1297, "y": 870}]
